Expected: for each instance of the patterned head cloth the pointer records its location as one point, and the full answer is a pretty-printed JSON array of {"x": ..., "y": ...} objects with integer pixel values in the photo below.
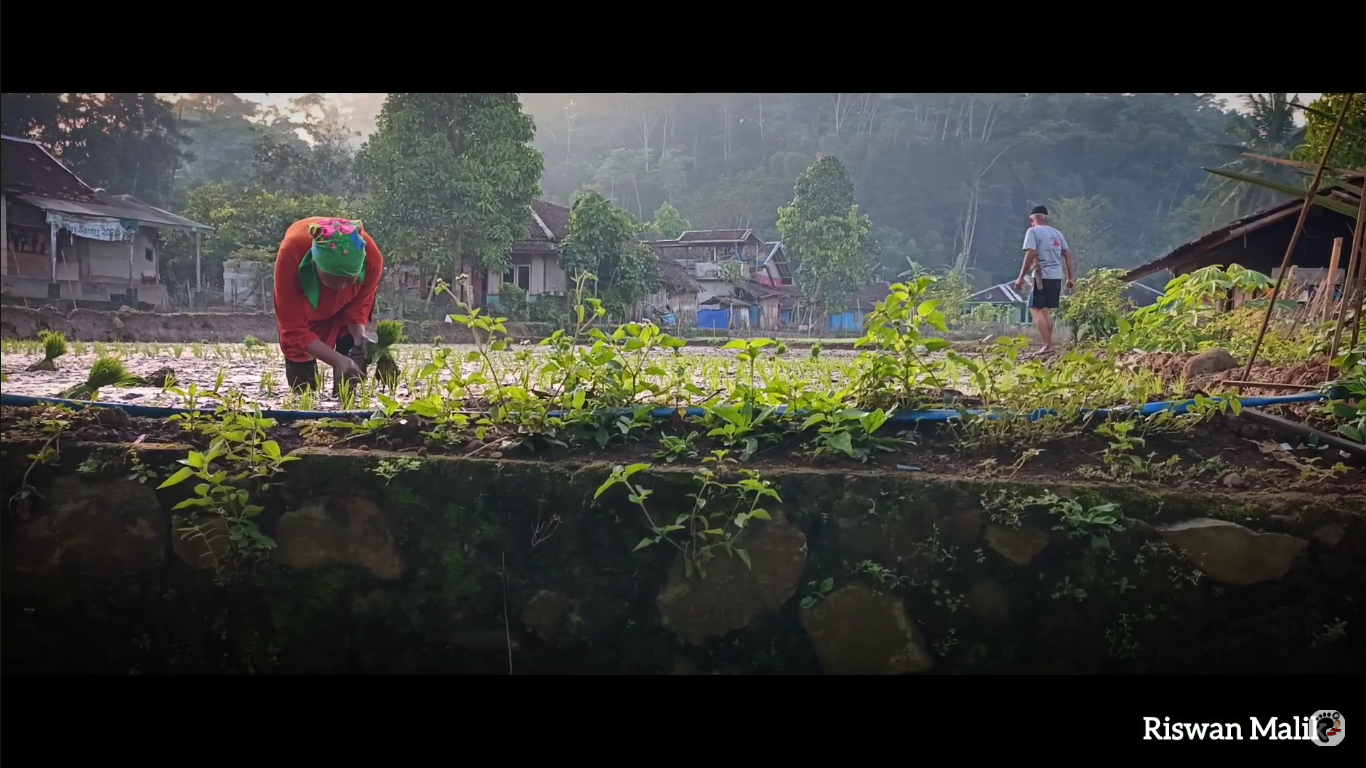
[{"x": 338, "y": 249}]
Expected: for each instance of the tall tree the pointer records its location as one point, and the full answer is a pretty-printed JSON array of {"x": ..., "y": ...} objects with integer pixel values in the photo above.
[
  {"x": 669, "y": 223},
  {"x": 1268, "y": 128},
  {"x": 827, "y": 239},
  {"x": 127, "y": 143},
  {"x": 220, "y": 128},
  {"x": 452, "y": 176},
  {"x": 30, "y": 115}
]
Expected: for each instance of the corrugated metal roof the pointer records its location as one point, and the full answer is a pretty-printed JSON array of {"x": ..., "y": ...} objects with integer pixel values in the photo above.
[
  {"x": 1005, "y": 288},
  {"x": 117, "y": 207},
  {"x": 1232, "y": 231}
]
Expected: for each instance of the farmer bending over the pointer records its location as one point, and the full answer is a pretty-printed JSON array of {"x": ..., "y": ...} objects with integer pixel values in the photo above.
[
  {"x": 326, "y": 276},
  {"x": 1046, "y": 254}
]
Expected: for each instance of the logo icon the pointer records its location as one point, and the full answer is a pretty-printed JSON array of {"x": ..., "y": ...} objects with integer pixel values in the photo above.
[
  {"x": 1327, "y": 725},
  {"x": 1057, "y": 244}
]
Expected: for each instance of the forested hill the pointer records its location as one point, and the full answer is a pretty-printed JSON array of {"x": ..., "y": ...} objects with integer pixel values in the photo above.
[
  {"x": 946, "y": 178},
  {"x": 943, "y": 176}
]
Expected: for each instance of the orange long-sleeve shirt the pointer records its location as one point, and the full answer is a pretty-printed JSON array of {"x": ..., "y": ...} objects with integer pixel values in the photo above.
[{"x": 299, "y": 323}]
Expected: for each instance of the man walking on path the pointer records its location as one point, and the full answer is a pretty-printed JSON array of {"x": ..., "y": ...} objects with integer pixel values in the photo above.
[{"x": 1046, "y": 256}]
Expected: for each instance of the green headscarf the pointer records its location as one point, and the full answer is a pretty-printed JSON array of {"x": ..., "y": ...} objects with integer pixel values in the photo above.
[{"x": 338, "y": 249}]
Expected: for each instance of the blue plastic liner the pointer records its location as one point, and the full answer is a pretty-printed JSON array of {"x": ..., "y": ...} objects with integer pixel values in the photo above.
[{"x": 940, "y": 415}]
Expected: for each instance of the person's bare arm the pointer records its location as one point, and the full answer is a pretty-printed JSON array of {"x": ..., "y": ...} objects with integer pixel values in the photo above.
[
  {"x": 1031, "y": 260},
  {"x": 1067, "y": 263},
  {"x": 321, "y": 351}
]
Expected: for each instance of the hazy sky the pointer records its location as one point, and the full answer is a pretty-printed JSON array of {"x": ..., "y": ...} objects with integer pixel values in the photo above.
[{"x": 364, "y": 107}]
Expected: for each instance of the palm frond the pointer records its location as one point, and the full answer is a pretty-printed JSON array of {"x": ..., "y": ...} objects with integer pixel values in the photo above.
[{"x": 1301, "y": 165}]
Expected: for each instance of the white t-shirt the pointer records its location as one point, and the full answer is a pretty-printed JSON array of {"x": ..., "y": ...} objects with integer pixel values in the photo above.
[{"x": 1049, "y": 244}]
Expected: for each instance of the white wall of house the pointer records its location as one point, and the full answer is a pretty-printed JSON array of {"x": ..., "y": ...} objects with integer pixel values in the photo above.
[
  {"x": 541, "y": 271},
  {"x": 87, "y": 270},
  {"x": 112, "y": 260}
]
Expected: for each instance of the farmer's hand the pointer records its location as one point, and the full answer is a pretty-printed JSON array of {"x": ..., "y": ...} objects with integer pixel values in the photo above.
[
  {"x": 1071, "y": 286},
  {"x": 1019, "y": 285},
  {"x": 360, "y": 353},
  {"x": 346, "y": 368}
]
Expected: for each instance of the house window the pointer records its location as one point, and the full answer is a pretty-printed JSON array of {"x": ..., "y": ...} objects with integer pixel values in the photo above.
[
  {"x": 149, "y": 254},
  {"x": 519, "y": 275}
]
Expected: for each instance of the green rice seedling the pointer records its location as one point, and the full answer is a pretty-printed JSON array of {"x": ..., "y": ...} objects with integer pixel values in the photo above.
[
  {"x": 108, "y": 371},
  {"x": 388, "y": 334},
  {"x": 54, "y": 346}
]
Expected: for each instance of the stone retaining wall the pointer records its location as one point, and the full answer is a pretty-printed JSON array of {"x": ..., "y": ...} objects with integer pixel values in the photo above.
[{"x": 394, "y": 563}]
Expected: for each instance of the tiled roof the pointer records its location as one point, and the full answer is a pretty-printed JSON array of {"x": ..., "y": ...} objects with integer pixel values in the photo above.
[
  {"x": 548, "y": 225},
  {"x": 676, "y": 277},
  {"x": 762, "y": 291},
  {"x": 26, "y": 168}
]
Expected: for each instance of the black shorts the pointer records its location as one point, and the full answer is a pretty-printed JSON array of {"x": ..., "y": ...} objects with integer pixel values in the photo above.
[{"x": 1047, "y": 297}]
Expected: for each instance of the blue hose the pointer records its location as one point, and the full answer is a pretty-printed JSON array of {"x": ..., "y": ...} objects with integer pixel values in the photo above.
[{"x": 940, "y": 415}]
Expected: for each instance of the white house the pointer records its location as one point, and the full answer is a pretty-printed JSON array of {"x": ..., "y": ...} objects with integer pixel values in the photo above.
[{"x": 65, "y": 240}]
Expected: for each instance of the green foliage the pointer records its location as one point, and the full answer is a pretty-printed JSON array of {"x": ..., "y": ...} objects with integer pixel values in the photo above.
[
  {"x": 824, "y": 189},
  {"x": 721, "y": 513},
  {"x": 1351, "y": 417},
  {"x": 1093, "y": 310},
  {"x": 248, "y": 223},
  {"x": 451, "y": 177},
  {"x": 951, "y": 290},
  {"x": 1189, "y": 316},
  {"x": 1350, "y": 150},
  {"x": 512, "y": 301},
  {"x": 600, "y": 242},
  {"x": 239, "y": 463},
  {"x": 669, "y": 223},
  {"x": 898, "y": 370}
]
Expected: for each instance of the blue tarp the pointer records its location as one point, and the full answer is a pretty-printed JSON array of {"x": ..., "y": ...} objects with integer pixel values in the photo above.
[
  {"x": 942, "y": 415},
  {"x": 849, "y": 321},
  {"x": 713, "y": 318}
]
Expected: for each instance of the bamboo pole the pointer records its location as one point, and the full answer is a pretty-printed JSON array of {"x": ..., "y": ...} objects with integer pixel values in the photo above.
[
  {"x": 1357, "y": 294},
  {"x": 1325, "y": 297},
  {"x": 1303, "y": 430},
  {"x": 1351, "y": 287},
  {"x": 1265, "y": 385},
  {"x": 1299, "y": 230},
  {"x": 1341, "y": 302}
]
